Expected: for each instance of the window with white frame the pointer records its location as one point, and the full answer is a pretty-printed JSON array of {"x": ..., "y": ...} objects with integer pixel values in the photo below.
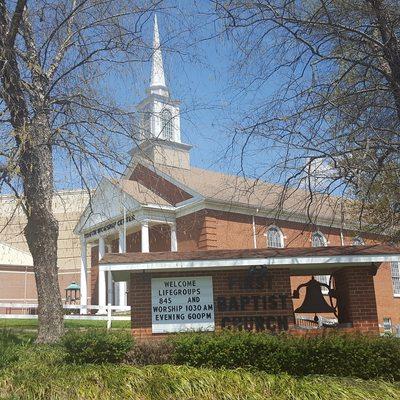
[
  {"x": 395, "y": 267},
  {"x": 387, "y": 325},
  {"x": 319, "y": 240},
  {"x": 275, "y": 237},
  {"x": 358, "y": 241},
  {"x": 167, "y": 128}
]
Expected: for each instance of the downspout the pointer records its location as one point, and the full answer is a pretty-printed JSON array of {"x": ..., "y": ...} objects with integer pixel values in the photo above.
[
  {"x": 341, "y": 224},
  {"x": 254, "y": 231},
  {"x": 25, "y": 283},
  {"x": 341, "y": 237}
]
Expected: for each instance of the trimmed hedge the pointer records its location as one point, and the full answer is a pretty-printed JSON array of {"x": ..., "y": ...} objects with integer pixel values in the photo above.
[
  {"x": 151, "y": 352},
  {"x": 336, "y": 355},
  {"x": 97, "y": 346}
]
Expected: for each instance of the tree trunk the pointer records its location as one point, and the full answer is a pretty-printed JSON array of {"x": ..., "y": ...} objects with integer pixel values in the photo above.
[
  {"x": 391, "y": 49},
  {"x": 41, "y": 231}
]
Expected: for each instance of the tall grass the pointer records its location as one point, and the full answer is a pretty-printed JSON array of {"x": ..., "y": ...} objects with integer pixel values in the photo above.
[
  {"x": 39, "y": 372},
  {"x": 42, "y": 374},
  {"x": 180, "y": 383}
]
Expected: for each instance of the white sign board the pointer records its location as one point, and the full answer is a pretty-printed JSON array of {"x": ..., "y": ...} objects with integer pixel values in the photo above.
[{"x": 182, "y": 304}]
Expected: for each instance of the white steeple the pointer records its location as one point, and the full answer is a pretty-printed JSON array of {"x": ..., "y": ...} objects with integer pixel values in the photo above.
[
  {"x": 159, "y": 115},
  {"x": 160, "y": 122},
  {"x": 157, "y": 83}
]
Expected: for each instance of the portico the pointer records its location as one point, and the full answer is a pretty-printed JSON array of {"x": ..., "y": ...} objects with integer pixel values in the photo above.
[{"x": 111, "y": 236}]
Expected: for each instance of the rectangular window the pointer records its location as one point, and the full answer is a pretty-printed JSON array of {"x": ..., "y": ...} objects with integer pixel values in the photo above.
[
  {"x": 395, "y": 266},
  {"x": 387, "y": 325}
]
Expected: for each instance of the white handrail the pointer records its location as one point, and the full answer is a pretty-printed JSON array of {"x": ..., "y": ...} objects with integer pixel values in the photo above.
[
  {"x": 65, "y": 306},
  {"x": 81, "y": 317}
]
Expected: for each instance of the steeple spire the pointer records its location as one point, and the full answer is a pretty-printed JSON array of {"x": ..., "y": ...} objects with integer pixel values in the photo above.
[
  {"x": 160, "y": 122},
  {"x": 157, "y": 83}
]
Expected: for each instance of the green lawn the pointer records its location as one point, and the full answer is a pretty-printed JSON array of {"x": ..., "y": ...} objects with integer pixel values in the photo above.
[{"x": 69, "y": 323}]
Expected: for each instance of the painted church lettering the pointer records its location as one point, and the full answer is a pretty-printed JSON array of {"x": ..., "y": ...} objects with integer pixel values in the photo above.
[
  {"x": 110, "y": 226},
  {"x": 256, "y": 323},
  {"x": 277, "y": 301},
  {"x": 251, "y": 282}
]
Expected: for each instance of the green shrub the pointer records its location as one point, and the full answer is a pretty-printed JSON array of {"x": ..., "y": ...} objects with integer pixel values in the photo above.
[
  {"x": 97, "y": 346},
  {"x": 151, "y": 352},
  {"x": 337, "y": 355}
]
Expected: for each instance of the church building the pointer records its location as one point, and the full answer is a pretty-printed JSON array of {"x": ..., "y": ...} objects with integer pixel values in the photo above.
[
  {"x": 233, "y": 250},
  {"x": 164, "y": 205}
]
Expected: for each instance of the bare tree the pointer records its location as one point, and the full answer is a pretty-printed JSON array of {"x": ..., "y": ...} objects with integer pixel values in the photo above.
[
  {"x": 337, "y": 104},
  {"x": 53, "y": 58}
]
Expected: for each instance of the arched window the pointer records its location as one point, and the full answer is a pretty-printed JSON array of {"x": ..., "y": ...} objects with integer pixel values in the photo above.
[
  {"x": 274, "y": 237},
  {"x": 146, "y": 120},
  {"x": 166, "y": 124},
  {"x": 358, "y": 241},
  {"x": 319, "y": 240}
]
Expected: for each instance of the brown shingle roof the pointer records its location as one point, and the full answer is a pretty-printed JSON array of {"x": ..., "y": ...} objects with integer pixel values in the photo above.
[
  {"x": 139, "y": 192},
  {"x": 256, "y": 193},
  {"x": 122, "y": 258}
]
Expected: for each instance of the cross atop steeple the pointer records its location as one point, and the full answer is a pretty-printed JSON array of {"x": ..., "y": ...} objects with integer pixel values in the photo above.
[{"x": 157, "y": 83}]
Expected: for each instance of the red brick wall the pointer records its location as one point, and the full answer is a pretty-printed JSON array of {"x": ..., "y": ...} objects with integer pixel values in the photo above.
[
  {"x": 388, "y": 305},
  {"x": 133, "y": 242},
  {"x": 188, "y": 230},
  {"x": 275, "y": 316},
  {"x": 165, "y": 189},
  {"x": 208, "y": 229},
  {"x": 160, "y": 238},
  {"x": 356, "y": 298},
  {"x": 94, "y": 275},
  {"x": 236, "y": 231}
]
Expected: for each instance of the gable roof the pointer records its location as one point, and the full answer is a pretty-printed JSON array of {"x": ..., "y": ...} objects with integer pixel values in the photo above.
[
  {"x": 107, "y": 203},
  {"x": 164, "y": 186},
  {"x": 237, "y": 190},
  {"x": 140, "y": 193}
]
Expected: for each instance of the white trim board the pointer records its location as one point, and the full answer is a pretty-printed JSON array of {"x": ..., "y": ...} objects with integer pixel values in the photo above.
[
  {"x": 259, "y": 211},
  {"x": 294, "y": 263}
]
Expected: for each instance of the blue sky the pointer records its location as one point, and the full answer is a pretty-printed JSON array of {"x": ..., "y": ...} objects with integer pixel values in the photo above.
[
  {"x": 197, "y": 73},
  {"x": 198, "y": 63}
]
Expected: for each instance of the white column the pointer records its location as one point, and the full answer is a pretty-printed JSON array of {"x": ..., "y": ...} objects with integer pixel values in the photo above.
[
  {"x": 102, "y": 279},
  {"x": 122, "y": 241},
  {"x": 109, "y": 289},
  {"x": 110, "y": 284},
  {"x": 122, "y": 300},
  {"x": 83, "y": 283},
  {"x": 145, "y": 237},
  {"x": 174, "y": 241},
  {"x": 116, "y": 293}
]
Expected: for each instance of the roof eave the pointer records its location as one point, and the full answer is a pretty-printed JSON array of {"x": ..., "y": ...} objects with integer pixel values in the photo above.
[{"x": 297, "y": 265}]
